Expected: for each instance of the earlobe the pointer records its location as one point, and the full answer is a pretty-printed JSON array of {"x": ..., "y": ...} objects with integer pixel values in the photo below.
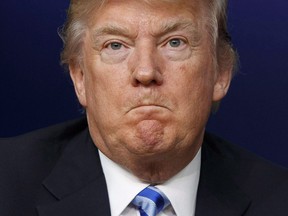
[
  {"x": 222, "y": 84},
  {"x": 78, "y": 77}
]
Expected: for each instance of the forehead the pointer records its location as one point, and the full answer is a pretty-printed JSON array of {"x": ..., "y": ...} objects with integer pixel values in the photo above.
[{"x": 144, "y": 10}]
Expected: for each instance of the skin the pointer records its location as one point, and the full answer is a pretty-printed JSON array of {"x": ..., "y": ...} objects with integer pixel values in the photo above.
[{"x": 147, "y": 81}]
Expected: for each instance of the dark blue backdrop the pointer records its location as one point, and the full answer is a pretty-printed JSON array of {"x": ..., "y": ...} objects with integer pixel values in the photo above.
[{"x": 35, "y": 91}]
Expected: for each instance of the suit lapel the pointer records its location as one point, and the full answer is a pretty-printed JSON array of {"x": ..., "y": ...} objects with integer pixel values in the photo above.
[
  {"x": 89, "y": 201},
  {"x": 77, "y": 182},
  {"x": 218, "y": 193},
  {"x": 77, "y": 186}
]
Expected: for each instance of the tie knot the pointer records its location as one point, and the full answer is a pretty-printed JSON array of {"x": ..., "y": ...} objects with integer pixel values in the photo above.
[{"x": 150, "y": 201}]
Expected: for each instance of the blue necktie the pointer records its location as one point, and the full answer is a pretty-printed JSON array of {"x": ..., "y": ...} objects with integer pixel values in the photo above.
[{"x": 150, "y": 201}]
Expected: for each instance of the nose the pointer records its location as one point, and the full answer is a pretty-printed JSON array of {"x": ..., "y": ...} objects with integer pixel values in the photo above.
[{"x": 146, "y": 70}]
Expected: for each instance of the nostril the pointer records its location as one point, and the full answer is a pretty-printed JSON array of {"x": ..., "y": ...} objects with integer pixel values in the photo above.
[
  {"x": 146, "y": 77},
  {"x": 137, "y": 82}
]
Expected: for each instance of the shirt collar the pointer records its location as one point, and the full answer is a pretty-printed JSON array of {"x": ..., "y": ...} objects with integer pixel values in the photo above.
[{"x": 123, "y": 186}]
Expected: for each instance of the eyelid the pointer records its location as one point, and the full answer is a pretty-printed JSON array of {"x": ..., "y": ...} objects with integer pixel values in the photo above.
[
  {"x": 125, "y": 44},
  {"x": 107, "y": 43},
  {"x": 175, "y": 37}
]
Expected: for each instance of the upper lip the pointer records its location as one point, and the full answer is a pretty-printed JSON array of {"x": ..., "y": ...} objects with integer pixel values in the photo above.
[
  {"x": 150, "y": 98},
  {"x": 150, "y": 104}
]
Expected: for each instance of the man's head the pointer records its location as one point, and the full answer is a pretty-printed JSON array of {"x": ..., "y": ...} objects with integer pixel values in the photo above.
[{"x": 147, "y": 73}]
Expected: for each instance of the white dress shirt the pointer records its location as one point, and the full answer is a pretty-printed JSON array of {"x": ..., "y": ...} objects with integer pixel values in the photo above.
[{"x": 123, "y": 186}]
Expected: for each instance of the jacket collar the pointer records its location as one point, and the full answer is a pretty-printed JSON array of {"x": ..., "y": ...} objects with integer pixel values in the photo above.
[
  {"x": 218, "y": 192},
  {"x": 77, "y": 182}
]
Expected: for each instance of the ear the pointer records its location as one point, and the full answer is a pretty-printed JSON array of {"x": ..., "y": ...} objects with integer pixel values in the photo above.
[
  {"x": 78, "y": 77},
  {"x": 222, "y": 83}
]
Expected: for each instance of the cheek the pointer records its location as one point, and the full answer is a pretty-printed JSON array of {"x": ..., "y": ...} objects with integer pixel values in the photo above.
[
  {"x": 192, "y": 87},
  {"x": 192, "y": 78},
  {"x": 105, "y": 86}
]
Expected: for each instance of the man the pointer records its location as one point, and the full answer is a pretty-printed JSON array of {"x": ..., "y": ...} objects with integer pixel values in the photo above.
[{"x": 148, "y": 73}]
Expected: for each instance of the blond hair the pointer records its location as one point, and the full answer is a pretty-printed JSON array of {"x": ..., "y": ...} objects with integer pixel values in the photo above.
[{"x": 74, "y": 30}]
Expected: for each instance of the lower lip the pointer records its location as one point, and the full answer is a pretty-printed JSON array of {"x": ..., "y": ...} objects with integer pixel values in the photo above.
[
  {"x": 150, "y": 112},
  {"x": 149, "y": 108}
]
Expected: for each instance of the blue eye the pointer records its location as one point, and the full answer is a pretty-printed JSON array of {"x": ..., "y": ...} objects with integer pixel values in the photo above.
[
  {"x": 115, "y": 45},
  {"x": 175, "y": 42}
]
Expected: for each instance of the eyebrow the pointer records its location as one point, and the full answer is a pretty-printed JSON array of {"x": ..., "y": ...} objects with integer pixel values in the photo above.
[
  {"x": 177, "y": 25},
  {"x": 170, "y": 26},
  {"x": 111, "y": 29}
]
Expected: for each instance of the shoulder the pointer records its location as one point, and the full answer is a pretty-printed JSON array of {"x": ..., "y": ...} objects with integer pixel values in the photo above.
[
  {"x": 35, "y": 152},
  {"x": 239, "y": 157},
  {"x": 27, "y": 159},
  {"x": 36, "y": 140},
  {"x": 261, "y": 180},
  {"x": 43, "y": 145}
]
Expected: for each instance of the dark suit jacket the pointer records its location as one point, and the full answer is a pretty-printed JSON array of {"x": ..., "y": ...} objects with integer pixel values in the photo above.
[{"x": 57, "y": 172}]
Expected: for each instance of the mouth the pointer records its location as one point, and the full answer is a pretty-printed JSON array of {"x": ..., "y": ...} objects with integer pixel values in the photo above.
[
  {"x": 148, "y": 107},
  {"x": 152, "y": 102}
]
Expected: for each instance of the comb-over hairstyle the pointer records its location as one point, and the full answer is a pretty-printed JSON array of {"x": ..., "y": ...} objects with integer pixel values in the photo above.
[{"x": 74, "y": 30}]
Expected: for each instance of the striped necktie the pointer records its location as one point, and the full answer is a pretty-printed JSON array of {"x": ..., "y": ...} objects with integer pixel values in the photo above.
[{"x": 150, "y": 201}]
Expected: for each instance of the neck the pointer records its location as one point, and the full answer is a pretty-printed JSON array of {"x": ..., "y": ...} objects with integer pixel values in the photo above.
[{"x": 156, "y": 170}]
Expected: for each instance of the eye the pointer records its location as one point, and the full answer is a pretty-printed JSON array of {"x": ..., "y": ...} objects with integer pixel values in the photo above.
[
  {"x": 115, "y": 45},
  {"x": 175, "y": 42}
]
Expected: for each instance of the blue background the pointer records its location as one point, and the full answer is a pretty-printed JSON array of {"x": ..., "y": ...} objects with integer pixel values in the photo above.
[{"x": 36, "y": 92}]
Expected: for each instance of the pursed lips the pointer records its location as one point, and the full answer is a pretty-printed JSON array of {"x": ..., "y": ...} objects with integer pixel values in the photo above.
[
  {"x": 149, "y": 106},
  {"x": 150, "y": 101}
]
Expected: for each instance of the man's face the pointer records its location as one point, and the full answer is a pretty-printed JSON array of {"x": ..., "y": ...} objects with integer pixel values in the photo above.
[{"x": 148, "y": 79}]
